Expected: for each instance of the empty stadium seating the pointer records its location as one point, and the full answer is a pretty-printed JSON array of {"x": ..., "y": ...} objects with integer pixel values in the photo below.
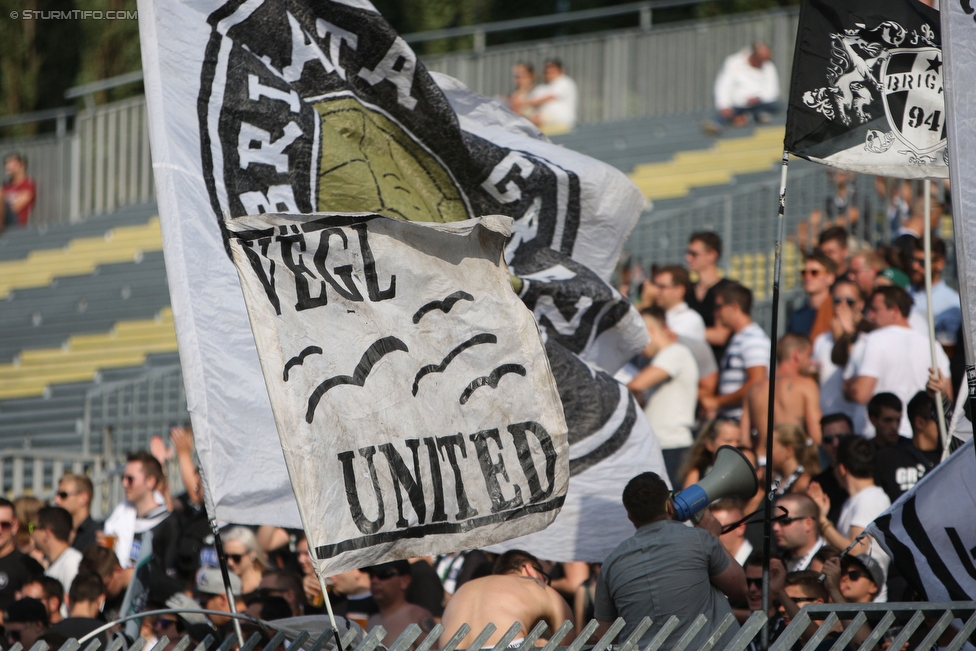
[{"x": 82, "y": 304}]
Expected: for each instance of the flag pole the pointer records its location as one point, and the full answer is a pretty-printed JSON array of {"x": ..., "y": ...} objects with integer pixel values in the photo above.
[
  {"x": 225, "y": 575},
  {"x": 773, "y": 330},
  {"x": 927, "y": 243}
]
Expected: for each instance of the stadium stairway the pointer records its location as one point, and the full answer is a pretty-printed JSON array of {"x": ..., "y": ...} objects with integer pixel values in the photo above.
[{"x": 82, "y": 304}]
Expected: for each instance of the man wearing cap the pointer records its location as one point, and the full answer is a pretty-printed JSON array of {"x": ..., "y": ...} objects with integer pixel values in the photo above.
[
  {"x": 853, "y": 579},
  {"x": 212, "y": 596},
  {"x": 389, "y": 582},
  {"x": 25, "y": 621}
]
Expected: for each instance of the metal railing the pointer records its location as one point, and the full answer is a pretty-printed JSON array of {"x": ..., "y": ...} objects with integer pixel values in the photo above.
[
  {"x": 624, "y": 74},
  {"x": 931, "y": 620},
  {"x": 119, "y": 418}
]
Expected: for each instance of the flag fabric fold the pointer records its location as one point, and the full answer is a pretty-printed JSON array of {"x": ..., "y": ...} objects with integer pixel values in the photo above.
[
  {"x": 867, "y": 88},
  {"x": 929, "y": 531},
  {"x": 261, "y": 107}
]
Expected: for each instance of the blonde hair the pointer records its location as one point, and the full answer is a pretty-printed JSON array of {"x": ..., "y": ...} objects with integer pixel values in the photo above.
[
  {"x": 246, "y": 537},
  {"x": 25, "y": 510},
  {"x": 699, "y": 456},
  {"x": 805, "y": 452}
]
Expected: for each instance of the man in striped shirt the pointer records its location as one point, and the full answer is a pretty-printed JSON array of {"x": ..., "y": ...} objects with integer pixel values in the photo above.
[{"x": 746, "y": 358}]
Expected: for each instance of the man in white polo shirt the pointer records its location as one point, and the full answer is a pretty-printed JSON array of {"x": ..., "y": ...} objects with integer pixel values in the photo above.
[
  {"x": 556, "y": 100},
  {"x": 896, "y": 358},
  {"x": 671, "y": 283},
  {"x": 746, "y": 358}
]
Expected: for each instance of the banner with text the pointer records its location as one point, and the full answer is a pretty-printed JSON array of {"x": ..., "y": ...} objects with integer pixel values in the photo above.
[
  {"x": 867, "y": 92},
  {"x": 414, "y": 400},
  {"x": 301, "y": 107}
]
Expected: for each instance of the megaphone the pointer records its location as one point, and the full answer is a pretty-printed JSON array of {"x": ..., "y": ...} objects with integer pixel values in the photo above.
[{"x": 731, "y": 476}]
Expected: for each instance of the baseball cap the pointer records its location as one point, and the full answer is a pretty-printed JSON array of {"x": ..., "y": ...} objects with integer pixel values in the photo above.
[
  {"x": 211, "y": 582},
  {"x": 873, "y": 567},
  {"x": 26, "y": 610},
  {"x": 897, "y": 277}
]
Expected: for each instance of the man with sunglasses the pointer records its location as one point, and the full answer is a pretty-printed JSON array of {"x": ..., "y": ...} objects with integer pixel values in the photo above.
[
  {"x": 388, "y": 583},
  {"x": 16, "y": 568},
  {"x": 75, "y": 495},
  {"x": 797, "y": 531},
  {"x": 946, "y": 308},
  {"x": 834, "y": 428},
  {"x": 819, "y": 273},
  {"x": 702, "y": 255}
]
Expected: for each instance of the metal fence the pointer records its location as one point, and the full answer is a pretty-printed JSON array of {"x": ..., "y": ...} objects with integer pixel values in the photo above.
[
  {"x": 919, "y": 624},
  {"x": 119, "y": 417},
  {"x": 625, "y": 74}
]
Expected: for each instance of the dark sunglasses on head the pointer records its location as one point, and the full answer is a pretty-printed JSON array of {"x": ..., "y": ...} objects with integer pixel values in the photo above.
[
  {"x": 840, "y": 299},
  {"x": 383, "y": 575}
]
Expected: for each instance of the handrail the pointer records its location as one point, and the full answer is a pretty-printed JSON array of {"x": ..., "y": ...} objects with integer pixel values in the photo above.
[
  {"x": 103, "y": 84},
  {"x": 38, "y": 116}
]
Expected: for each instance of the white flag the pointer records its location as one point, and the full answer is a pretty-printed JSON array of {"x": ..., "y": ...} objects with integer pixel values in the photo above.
[
  {"x": 929, "y": 531},
  {"x": 299, "y": 107},
  {"x": 413, "y": 397}
]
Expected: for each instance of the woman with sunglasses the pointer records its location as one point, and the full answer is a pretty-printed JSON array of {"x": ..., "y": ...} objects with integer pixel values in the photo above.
[
  {"x": 245, "y": 558},
  {"x": 830, "y": 352}
]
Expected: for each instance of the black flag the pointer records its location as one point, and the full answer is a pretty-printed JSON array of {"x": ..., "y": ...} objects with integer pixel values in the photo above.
[{"x": 866, "y": 92}]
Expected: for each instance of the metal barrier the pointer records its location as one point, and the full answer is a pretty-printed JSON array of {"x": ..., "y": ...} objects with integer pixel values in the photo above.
[
  {"x": 625, "y": 74},
  {"x": 119, "y": 417},
  {"x": 124, "y": 416},
  {"x": 929, "y": 619}
]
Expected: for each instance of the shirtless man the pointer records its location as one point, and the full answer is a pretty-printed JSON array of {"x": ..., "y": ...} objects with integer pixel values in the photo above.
[
  {"x": 517, "y": 592},
  {"x": 797, "y": 396},
  {"x": 389, "y": 582}
]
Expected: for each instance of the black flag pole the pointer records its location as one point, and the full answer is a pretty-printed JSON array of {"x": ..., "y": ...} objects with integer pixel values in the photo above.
[
  {"x": 225, "y": 575},
  {"x": 773, "y": 330}
]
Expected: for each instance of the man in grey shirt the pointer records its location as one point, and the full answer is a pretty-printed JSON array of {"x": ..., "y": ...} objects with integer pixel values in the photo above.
[{"x": 667, "y": 568}]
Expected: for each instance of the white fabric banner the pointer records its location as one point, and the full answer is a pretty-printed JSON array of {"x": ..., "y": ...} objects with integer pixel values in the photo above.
[
  {"x": 414, "y": 400},
  {"x": 959, "y": 50},
  {"x": 930, "y": 530},
  {"x": 288, "y": 106}
]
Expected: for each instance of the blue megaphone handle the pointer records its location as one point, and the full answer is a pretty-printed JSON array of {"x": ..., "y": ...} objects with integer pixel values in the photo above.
[{"x": 689, "y": 502}]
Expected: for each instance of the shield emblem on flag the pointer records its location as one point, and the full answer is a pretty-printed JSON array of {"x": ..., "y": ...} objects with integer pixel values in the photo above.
[{"x": 914, "y": 99}]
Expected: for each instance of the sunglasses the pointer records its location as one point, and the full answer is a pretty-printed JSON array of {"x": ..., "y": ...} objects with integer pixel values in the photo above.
[
  {"x": 754, "y": 582},
  {"x": 544, "y": 575},
  {"x": 830, "y": 439},
  {"x": 164, "y": 623},
  {"x": 128, "y": 479},
  {"x": 785, "y": 521},
  {"x": 811, "y": 272},
  {"x": 840, "y": 299},
  {"x": 65, "y": 495},
  {"x": 6, "y": 526},
  {"x": 383, "y": 575},
  {"x": 854, "y": 575},
  {"x": 692, "y": 254},
  {"x": 803, "y": 600},
  {"x": 236, "y": 558}
]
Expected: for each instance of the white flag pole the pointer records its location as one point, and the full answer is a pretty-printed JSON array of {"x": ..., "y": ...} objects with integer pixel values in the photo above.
[{"x": 927, "y": 243}]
